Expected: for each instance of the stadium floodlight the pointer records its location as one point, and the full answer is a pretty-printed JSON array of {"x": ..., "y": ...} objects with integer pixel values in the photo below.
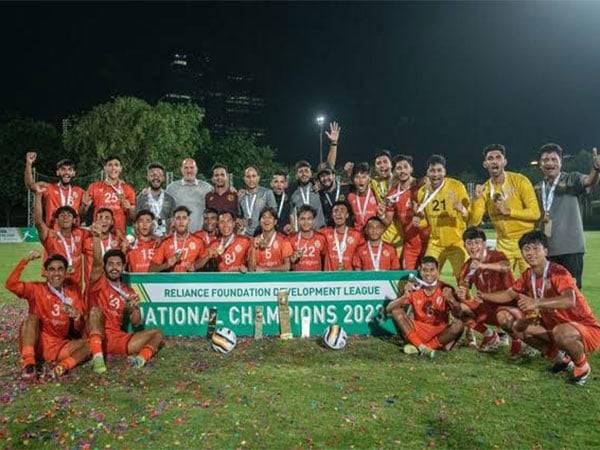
[{"x": 320, "y": 119}]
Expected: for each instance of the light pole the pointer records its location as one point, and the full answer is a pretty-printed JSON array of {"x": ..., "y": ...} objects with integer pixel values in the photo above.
[{"x": 320, "y": 121}]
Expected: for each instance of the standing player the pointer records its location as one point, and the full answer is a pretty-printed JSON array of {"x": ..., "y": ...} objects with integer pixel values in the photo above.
[
  {"x": 118, "y": 301},
  {"x": 362, "y": 200},
  {"x": 429, "y": 328},
  {"x": 331, "y": 190},
  {"x": 558, "y": 320},
  {"x": 65, "y": 239},
  {"x": 375, "y": 254},
  {"x": 400, "y": 207},
  {"x": 156, "y": 199},
  {"x": 179, "y": 251},
  {"x": 141, "y": 251},
  {"x": 489, "y": 271},
  {"x": 63, "y": 193},
  {"x": 444, "y": 206},
  {"x": 231, "y": 251},
  {"x": 309, "y": 246},
  {"x": 381, "y": 183},
  {"x": 342, "y": 240},
  {"x": 55, "y": 306},
  {"x": 270, "y": 251},
  {"x": 252, "y": 200},
  {"x": 510, "y": 201},
  {"x": 112, "y": 193}
]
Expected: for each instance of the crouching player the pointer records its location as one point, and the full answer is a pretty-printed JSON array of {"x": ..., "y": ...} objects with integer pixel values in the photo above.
[
  {"x": 116, "y": 300},
  {"x": 489, "y": 271},
  {"x": 558, "y": 320},
  {"x": 55, "y": 307},
  {"x": 430, "y": 302}
]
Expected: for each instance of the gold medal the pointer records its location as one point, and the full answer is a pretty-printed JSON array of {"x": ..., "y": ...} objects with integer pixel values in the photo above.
[
  {"x": 341, "y": 266},
  {"x": 547, "y": 225},
  {"x": 220, "y": 249},
  {"x": 70, "y": 269}
]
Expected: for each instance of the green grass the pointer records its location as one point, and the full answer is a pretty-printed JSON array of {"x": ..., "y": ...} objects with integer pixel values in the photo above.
[{"x": 275, "y": 394}]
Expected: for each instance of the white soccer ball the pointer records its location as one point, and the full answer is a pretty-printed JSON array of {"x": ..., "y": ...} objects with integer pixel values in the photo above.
[
  {"x": 335, "y": 337},
  {"x": 223, "y": 340}
]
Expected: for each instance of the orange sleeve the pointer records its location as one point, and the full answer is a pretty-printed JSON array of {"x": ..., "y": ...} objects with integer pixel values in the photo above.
[
  {"x": 562, "y": 282},
  {"x": 130, "y": 195},
  {"x": 520, "y": 286},
  {"x": 159, "y": 254},
  {"x": 15, "y": 285},
  {"x": 395, "y": 260}
]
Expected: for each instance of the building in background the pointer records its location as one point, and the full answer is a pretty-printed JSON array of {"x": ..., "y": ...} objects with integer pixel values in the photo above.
[{"x": 229, "y": 97}]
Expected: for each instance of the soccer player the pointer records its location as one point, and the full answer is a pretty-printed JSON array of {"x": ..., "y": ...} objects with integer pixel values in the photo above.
[
  {"x": 190, "y": 192},
  {"x": 270, "y": 251},
  {"x": 180, "y": 250},
  {"x": 230, "y": 251},
  {"x": 362, "y": 200},
  {"x": 375, "y": 254},
  {"x": 305, "y": 194},
  {"x": 559, "y": 194},
  {"x": 309, "y": 246},
  {"x": 64, "y": 239},
  {"x": 400, "y": 207},
  {"x": 381, "y": 183},
  {"x": 109, "y": 240},
  {"x": 444, "y": 206},
  {"x": 279, "y": 185},
  {"x": 141, "y": 251},
  {"x": 558, "y": 320},
  {"x": 489, "y": 271},
  {"x": 118, "y": 302},
  {"x": 429, "y": 328},
  {"x": 209, "y": 232},
  {"x": 222, "y": 197},
  {"x": 112, "y": 193},
  {"x": 252, "y": 200},
  {"x": 156, "y": 199},
  {"x": 63, "y": 193},
  {"x": 509, "y": 200},
  {"x": 342, "y": 240},
  {"x": 55, "y": 306}
]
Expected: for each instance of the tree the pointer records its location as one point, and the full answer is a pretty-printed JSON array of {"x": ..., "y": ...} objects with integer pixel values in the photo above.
[
  {"x": 138, "y": 133},
  {"x": 237, "y": 151},
  {"x": 18, "y": 135}
]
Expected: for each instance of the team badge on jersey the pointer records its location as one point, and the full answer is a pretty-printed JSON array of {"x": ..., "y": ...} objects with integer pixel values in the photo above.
[
  {"x": 317, "y": 244},
  {"x": 238, "y": 248},
  {"x": 192, "y": 246}
]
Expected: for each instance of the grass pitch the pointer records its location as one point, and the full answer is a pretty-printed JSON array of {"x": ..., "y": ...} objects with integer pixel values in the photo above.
[{"x": 275, "y": 394}]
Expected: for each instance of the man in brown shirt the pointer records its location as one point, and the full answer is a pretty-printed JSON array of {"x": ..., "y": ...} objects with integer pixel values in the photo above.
[{"x": 222, "y": 198}]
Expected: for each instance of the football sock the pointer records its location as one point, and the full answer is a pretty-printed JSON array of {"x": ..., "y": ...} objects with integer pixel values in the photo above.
[
  {"x": 146, "y": 352},
  {"x": 28, "y": 354},
  {"x": 96, "y": 344},
  {"x": 581, "y": 366},
  {"x": 68, "y": 363}
]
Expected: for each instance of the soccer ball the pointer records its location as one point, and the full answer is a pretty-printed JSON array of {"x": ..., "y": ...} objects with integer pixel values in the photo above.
[
  {"x": 223, "y": 340},
  {"x": 335, "y": 337}
]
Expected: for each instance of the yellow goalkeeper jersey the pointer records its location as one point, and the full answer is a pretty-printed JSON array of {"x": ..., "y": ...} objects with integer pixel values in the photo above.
[
  {"x": 520, "y": 198},
  {"x": 447, "y": 224}
]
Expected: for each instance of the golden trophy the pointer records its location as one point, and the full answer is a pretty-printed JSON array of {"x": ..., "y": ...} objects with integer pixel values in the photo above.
[{"x": 285, "y": 331}]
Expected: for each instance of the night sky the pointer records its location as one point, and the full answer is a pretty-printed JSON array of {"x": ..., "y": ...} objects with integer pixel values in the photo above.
[{"x": 417, "y": 78}]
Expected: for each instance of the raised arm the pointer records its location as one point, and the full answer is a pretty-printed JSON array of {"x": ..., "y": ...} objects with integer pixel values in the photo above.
[
  {"x": 97, "y": 263},
  {"x": 333, "y": 135},
  {"x": 478, "y": 205},
  {"x": 41, "y": 226},
  {"x": 592, "y": 178},
  {"x": 30, "y": 158},
  {"x": 14, "y": 283}
]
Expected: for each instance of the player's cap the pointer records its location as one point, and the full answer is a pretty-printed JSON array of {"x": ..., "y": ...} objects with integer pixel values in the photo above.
[{"x": 325, "y": 167}]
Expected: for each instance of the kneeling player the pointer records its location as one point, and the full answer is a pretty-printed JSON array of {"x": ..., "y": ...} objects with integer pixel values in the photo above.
[
  {"x": 54, "y": 307},
  {"x": 270, "y": 250},
  {"x": 489, "y": 271},
  {"x": 429, "y": 328},
  {"x": 558, "y": 320},
  {"x": 110, "y": 294},
  {"x": 309, "y": 246}
]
